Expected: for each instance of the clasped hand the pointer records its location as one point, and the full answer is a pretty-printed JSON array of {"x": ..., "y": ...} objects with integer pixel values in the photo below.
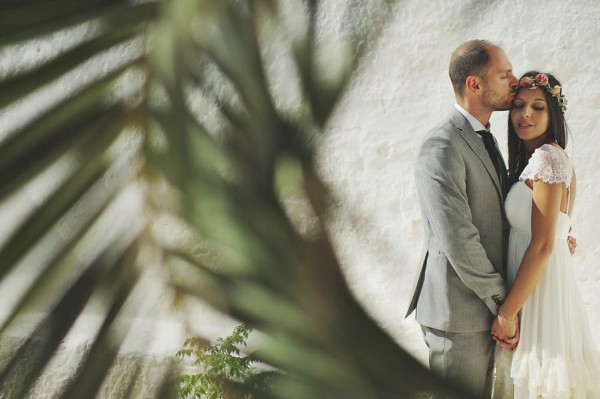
[{"x": 505, "y": 332}]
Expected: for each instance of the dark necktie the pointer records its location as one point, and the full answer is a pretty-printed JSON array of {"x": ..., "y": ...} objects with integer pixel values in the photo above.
[{"x": 495, "y": 157}]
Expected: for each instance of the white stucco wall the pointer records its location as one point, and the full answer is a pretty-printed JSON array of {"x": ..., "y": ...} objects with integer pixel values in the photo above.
[
  {"x": 404, "y": 89},
  {"x": 368, "y": 152}
]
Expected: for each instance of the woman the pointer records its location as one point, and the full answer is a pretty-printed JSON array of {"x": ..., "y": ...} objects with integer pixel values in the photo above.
[{"x": 556, "y": 356}]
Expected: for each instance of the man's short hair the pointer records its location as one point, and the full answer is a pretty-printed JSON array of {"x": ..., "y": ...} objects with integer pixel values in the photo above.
[{"x": 470, "y": 58}]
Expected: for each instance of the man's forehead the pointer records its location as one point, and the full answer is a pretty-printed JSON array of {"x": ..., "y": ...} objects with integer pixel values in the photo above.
[{"x": 500, "y": 60}]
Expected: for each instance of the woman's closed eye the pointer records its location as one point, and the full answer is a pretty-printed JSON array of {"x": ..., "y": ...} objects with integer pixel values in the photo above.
[{"x": 519, "y": 105}]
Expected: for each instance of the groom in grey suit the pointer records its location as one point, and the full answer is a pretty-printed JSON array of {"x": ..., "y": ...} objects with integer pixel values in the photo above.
[{"x": 461, "y": 186}]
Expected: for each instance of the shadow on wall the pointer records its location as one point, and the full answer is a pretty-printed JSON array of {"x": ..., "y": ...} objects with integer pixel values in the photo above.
[{"x": 178, "y": 128}]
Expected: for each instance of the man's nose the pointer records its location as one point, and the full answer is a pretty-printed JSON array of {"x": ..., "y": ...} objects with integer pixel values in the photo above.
[{"x": 513, "y": 82}]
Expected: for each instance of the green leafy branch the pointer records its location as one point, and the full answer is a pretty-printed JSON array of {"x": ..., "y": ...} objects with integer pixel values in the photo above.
[{"x": 222, "y": 367}]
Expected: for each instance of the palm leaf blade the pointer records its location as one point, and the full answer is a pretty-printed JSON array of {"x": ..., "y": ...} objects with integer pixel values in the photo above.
[
  {"x": 23, "y": 84},
  {"x": 221, "y": 178},
  {"x": 82, "y": 13},
  {"x": 51, "y": 211},
  {"x": 40, "y": 142},
  {"x": 105, "y": 347},
  {"x": 31, "y": 357}
]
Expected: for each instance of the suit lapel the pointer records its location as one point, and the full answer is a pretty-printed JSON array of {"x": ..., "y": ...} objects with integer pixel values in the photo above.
[{"x": 467, "y": 133}]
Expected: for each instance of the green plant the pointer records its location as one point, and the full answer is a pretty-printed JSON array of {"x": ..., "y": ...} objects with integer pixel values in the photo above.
[
  {"x": 219, "y": 366},
  {"x": 227, "y": 175}
]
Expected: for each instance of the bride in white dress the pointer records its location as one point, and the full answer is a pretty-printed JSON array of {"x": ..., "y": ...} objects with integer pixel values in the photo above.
[{"x": 556, "y": 356}]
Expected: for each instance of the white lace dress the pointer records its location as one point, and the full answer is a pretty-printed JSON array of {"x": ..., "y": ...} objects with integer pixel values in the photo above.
[{"x": 556, "y": 356}]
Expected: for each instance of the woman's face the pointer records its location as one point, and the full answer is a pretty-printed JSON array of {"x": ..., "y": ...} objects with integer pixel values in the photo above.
[{"x": 530, "y": 116}]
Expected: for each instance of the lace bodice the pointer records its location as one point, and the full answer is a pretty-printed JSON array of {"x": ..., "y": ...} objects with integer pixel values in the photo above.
[{"x": 550, "y": 165}]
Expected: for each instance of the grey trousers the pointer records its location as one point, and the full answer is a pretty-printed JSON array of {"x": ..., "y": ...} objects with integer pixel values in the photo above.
[{"x": 465, "y": 359}]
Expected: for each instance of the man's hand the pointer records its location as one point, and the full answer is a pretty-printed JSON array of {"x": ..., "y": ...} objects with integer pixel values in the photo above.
[
  {"x": 572, "y": 244},
  {"x": 506, "y": 333},
  {"x": 571, "y": 241}
]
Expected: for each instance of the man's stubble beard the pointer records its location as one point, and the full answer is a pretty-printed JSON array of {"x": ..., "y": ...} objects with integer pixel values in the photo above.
[{"x": 494, "y": 103}]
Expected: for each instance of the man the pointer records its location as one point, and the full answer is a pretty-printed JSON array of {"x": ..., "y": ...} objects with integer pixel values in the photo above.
[{"x": 461, "y": 183}]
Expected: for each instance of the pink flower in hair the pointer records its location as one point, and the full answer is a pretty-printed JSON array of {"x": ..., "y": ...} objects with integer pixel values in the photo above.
[
  {"x": 526, "y": 82},
  {"x": 541, "y": 79},
  {"x": 555, "y": 91}
]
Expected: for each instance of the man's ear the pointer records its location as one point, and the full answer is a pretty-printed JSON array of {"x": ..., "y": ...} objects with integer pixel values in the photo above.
[{"x": 473, "y": 84}]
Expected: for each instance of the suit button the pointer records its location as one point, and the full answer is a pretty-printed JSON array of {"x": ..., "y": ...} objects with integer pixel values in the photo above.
[{"x": 505, "y": 233}]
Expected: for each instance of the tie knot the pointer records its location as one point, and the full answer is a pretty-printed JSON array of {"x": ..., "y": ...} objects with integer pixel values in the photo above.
[{"x": 483, "y": 132}]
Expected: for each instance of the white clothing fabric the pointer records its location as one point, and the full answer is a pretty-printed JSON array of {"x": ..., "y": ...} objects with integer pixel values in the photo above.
[{"x": 556, "y": 357}]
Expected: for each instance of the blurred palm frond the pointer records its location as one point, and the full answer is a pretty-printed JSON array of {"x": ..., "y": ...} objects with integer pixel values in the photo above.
[{"x": 175, "y": 141}]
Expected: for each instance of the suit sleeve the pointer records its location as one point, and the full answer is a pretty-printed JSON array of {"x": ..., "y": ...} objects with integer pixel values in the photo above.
[{"x": 440, "y": 177}]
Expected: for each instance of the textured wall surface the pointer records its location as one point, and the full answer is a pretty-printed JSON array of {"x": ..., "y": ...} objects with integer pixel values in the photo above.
[
  {"x": 367, "y": 155},
  {"x": 403, "y": 90}
]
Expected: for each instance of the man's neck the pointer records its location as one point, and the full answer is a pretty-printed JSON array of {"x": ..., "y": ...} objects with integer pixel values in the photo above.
[{"x": 475, "y": 109}]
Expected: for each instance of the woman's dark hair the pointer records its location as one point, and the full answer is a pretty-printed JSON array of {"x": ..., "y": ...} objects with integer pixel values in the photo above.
[{"x": 557, "y": 129}]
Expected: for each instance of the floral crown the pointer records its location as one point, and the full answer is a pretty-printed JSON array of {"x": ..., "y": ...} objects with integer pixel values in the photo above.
[{"x": 541, "y": 80}]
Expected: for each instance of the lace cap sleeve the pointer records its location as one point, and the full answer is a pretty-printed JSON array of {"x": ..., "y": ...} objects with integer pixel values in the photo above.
[{"x": 550, "y": 165}]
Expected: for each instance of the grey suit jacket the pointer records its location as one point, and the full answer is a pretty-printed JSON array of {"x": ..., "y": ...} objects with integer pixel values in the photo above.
[{"x": 461, "y": 282}]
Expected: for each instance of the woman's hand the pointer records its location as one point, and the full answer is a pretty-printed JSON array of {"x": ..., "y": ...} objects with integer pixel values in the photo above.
[{"x": 505, "y": 332}]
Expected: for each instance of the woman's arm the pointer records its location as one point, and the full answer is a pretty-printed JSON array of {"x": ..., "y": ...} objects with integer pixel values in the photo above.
[{"x": 544, "y": 217}]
